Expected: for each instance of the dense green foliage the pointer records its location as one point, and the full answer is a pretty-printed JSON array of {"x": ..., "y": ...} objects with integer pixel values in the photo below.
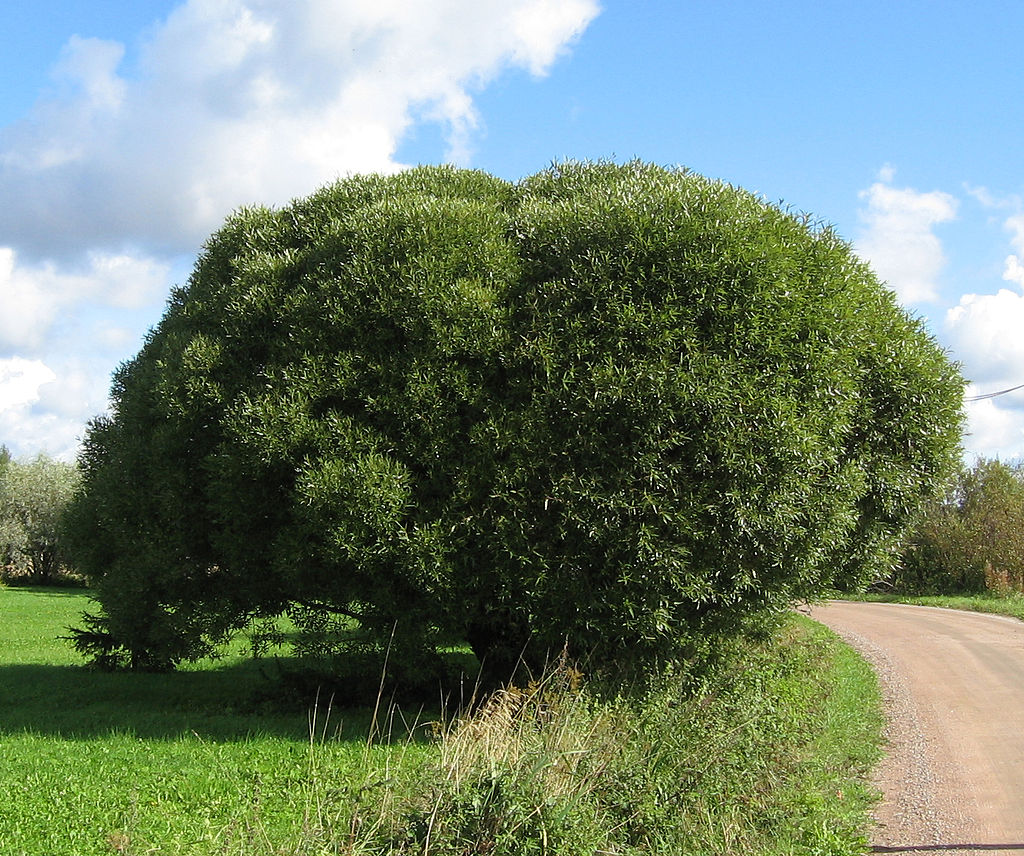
[
  {"x": 33, "y": 499},
  {"x": 5, "y": 548},
  {"x": 766, "y": 755},
  {"x": 972, "y": 538},
  {"x": 609, "y": 407}
]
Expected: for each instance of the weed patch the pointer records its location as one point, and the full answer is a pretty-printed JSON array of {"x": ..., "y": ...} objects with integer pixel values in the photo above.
[{"x": 766, "y": 755}]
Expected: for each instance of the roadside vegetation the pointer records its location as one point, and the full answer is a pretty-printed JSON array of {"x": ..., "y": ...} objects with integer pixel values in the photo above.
[
  {"x": 765, "y": 754},
  {"x": 969, "y": 540},
  {"x": 614, "y": 407},
  {"x": 965, "y": 550},
  {"x": 997, "y": 604}
]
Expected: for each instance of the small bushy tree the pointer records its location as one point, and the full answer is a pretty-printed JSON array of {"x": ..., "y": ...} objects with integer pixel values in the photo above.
[
  {"x": 971, "y": 539},
  {"x": 613, "y": 407},
  {"x": 33, "y": 498}
]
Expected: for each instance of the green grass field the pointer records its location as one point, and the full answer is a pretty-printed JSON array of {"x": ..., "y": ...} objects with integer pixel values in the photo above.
[
  {"x": 180, "y": 763},
  {"x": 768, "y": 756}
]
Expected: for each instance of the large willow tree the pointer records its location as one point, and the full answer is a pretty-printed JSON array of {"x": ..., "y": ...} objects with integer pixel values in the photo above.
[{"x": 610, "y": 407}]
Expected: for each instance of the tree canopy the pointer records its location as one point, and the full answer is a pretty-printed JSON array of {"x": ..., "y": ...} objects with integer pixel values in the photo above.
[{"x": 612, "y": 407}]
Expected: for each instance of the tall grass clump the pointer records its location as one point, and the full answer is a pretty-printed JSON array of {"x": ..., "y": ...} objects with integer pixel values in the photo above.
[{"x": 766, "y": 753}]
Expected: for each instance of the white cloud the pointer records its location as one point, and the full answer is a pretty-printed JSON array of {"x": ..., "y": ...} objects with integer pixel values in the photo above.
[
  {"x": 1014, "y": 270},
  {"x": 254, "y": 100},
  {"x": 985, "y": 332},
  {"x": 1015, "y": 224},
  {"x": 27, "y": 306},
  {"x": 33, "y": 296},
  {"x": 113, "y": 337},
  {"x": 898, "y": 240},
  {"x": 20, "y": 380},
  {"x": 987, "y": 199},
  {"x": 993, "y": 431},
  {"x": 89, "y": 68},
  {"x": 1014, "y": 267},
  {"x": 44, "y": 406},
  {"x": 542, "y": 29}
]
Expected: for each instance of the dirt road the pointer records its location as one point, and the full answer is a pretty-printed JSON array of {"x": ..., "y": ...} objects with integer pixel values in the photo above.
[{"x": 953, "y": 682}]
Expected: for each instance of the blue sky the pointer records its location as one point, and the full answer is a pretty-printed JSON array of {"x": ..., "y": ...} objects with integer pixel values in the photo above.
[{"x": 130, "y": 128}]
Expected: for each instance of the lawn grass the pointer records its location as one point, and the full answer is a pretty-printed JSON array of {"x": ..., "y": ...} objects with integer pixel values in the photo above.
[
  {"x": 767, "y": 756},
  {"x": 183, "y": 763}
]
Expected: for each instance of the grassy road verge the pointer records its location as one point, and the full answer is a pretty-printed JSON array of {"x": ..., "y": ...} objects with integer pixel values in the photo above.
[{"x": 1011, "y": 604}]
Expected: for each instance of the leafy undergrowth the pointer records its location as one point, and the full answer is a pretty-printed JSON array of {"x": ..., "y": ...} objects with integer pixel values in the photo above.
[{"x": 767, "y": 755}]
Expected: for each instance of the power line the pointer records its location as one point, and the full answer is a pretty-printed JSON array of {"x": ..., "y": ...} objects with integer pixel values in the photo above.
[{"x": 994, "y": 394}]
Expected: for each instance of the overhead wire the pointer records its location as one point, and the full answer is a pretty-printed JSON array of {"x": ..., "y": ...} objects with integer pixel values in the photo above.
[{"x": 994, "y": 394}]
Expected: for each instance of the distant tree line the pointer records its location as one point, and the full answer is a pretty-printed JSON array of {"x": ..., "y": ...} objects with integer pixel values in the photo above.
[{"x": 971, "y": 538}]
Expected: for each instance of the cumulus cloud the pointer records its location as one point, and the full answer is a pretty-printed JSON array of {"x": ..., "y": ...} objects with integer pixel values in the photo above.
[
  {"x": 20, "y": 380},
  {"x": 1014, "y": 269},
  {"x": 27, "y": 306},
  {"x": 898, "y": 240},
  {"x": 32, "y": 296},
  {"x": 239, "y": 101},
  {"x": 45, "y": 404},
  {"x": 993, "y": 430},
  {"x": 984, "y": 331},
  {"x": 27, "y": 425}
]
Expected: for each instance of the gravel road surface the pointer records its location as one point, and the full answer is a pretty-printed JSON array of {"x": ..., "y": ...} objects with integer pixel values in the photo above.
[{"x": 953, "y": 685}]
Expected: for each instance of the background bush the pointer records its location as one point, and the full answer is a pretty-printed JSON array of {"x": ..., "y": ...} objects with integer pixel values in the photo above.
[
  {"x": 33, "y": 498},
  {"x": 616, "y": 408},
  {"x": 970, "y": 540}
]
